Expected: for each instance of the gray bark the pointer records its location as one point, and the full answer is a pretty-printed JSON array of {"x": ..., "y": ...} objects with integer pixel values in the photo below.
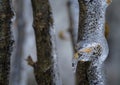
[{"x": 92, "y": 48}]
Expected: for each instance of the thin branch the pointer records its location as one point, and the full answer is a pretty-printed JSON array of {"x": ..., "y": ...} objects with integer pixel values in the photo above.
[{"x": 43, "y": 68}]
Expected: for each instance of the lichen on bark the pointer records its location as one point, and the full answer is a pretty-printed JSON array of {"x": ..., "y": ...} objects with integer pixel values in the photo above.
[
  {"x": 42, "y": 22},
  {"x": 5, "y": 41}
]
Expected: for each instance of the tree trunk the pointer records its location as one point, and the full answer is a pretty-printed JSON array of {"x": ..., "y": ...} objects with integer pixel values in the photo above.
[
  {"x": 42, "y": 22},
  {"x": 5, "y": 41}
]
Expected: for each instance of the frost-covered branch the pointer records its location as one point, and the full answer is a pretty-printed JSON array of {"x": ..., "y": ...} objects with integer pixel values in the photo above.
[{"x": 92, "y": 47}]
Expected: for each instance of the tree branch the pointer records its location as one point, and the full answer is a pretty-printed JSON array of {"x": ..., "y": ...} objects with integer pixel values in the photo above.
[
  {"x": 5, "y": 41},
  {"x": 91, "y": 37},
  {"x": 41, "y": 24}
]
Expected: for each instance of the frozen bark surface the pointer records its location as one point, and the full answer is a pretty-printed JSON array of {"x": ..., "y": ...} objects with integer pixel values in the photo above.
[
  {"x": 43, "y": 68},
  {"x": 92, "y": 48},
  {"x": 5, "y": 41}
]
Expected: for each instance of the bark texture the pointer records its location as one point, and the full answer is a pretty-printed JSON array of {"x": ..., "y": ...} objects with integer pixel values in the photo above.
[
  {"x": 81, "y": 73},
  {"x": 42, "y": 22},
  {"x": 92, "y": 47},
  {"x": 5, "y": 41}
]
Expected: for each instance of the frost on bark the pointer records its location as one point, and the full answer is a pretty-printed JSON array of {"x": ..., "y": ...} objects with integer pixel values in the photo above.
[
  {"x": 42, "y": 22},
  {"x": 92, "y": 48},
  {"x": 5, "y": 41}
]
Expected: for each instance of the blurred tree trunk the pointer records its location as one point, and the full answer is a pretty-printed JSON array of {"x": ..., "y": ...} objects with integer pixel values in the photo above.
[
  {"x": 5, "y": 41},
  {"x": 42, "y": 22},
  {"x": 19, "y": 24}
]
